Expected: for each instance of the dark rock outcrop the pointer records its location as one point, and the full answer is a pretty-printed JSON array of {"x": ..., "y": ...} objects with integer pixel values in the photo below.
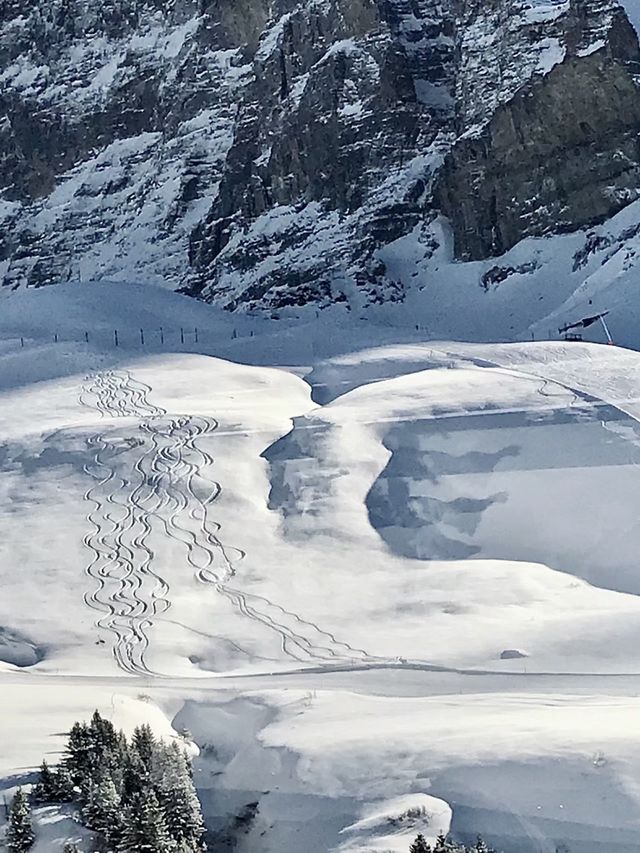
[
  {"x": 562, "y": 153},
  {"x": 266, "y": 153}
]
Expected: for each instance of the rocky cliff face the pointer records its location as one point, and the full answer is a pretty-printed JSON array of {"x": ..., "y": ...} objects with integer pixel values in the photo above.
[
  {"x": 267, "y": 153},
  {"x": 562, "y": 151}
]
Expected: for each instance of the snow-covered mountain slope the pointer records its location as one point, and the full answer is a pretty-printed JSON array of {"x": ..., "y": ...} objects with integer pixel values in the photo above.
[
  {"x": 274, "y": 154},
  {"x": 139, "y": 477},
  {"x": 417, "y": 594}
]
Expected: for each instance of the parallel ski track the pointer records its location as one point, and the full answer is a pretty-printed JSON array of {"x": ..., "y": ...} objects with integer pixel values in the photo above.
[
  {"x": 170, "y": 485},
  {"x": 128, "y": 591}
]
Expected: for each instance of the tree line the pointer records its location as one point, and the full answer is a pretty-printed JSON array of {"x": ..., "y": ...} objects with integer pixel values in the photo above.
[
  {"x": 445, "y": 844},
  {"x": 137, "y": 795}
]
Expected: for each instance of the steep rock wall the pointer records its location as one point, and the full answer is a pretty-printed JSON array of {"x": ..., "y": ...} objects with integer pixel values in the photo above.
[
  {"x": 562, "y": 153},
  {"x": 264, "y": 153}
]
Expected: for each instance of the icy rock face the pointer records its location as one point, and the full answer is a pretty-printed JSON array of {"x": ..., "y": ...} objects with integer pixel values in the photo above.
[{"x": 261, "y": 153}]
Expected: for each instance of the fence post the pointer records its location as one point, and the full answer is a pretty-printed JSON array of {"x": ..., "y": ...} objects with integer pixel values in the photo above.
[
  {"x": 55, "y": 338},
  {"x": 21, "y": 342},
  {"x": 161, "y": 335},
  {"x": 182, "y": 336},
  {"x": 115, "y": 336},
  {"x": 195, "y": 331},
  {"x": 86, "y": 337},
  {"x": 142, "y": 337}
]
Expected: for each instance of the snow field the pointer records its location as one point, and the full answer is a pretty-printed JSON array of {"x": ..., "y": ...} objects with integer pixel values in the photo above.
[{"x": 418, "y": 593}]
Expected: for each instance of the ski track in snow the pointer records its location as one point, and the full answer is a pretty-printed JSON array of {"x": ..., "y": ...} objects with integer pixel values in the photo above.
[
  {"x": 129, "y": 592},
  {"x": 167, "y": 484}
]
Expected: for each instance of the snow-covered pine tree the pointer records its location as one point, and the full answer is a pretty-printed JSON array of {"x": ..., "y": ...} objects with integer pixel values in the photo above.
[
  {"x": 54, "y": 785},
  {"x": 135, "y": 776},
  {"x": 103, "y": 733},
  {"x": 20, "y": 836},
  {"x": 63, "y": 788},
  {"x": 446, "y": 845},
  {"x": 80, "y": 758},
  {"x": 420, "y": 845},
  {"x": 177, "y": 797},
  {"x": 44, "y": 790},
  {"x": 143, "y": 743},
  {"x": 102, "y": 810},
  {"x": 118, "y": 763},
  {"x": 138, "y": 766},
  {"x": 144, "y": 826},
  {"x": 108, "y": 743},
  {"x": 189, "y": 765},
  {"x": 121, "y": 749},
  {"x": 481, "y": 847},
  {"x": 90, "y": 749}
]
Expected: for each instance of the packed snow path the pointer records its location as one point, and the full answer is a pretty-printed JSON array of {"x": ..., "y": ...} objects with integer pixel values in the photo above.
[{"x": 151, "y": 474}]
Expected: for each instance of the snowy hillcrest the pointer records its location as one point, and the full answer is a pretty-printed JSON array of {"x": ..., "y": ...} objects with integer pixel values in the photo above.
[{"x": 270, "y": 154}]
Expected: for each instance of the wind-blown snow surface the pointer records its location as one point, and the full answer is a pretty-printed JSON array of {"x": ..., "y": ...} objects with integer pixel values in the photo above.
[{"x": 376, "y": 582}]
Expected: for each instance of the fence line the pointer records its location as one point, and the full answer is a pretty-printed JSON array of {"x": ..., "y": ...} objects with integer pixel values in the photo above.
[{"x": 151, "y": 338}]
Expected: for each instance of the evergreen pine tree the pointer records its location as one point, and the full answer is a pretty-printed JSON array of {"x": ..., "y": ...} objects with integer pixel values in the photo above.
[
  {"x": 63, "y": 789},
  {"x": 80, "y": 758},
  {"x": 183, "y": 814},
  {"x": 20, "y": 835},
  {"x": 172, "y": 779},
  {"x": 139, "y": 761},
  {"x": 187, "y": 761},
  {"x": 420, "y": 845},
  {"x": 118, "y": 761},
  {"x": 122, "y": 747},
  {"x": 135, "y": 777},
  {"x": 45, "y": 789},
  {"x": 121, "y": 754},
  {"x": 106, "y": 742},
  {"x": 103, "y": 732},
  {"x": 102, "y": 811},
  {"x": 143, "y": 744},
  {"x": 90, "y": 749},
  {"x": 144, "y": 826},
  {"x": 442, "y": 844}
]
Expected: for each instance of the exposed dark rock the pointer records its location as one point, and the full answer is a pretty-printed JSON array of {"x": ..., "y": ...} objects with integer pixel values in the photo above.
[
  {"x": 561, "y": 154},
  {"x": 263, "y": 153},
  {"x": 496, "y": 275},
  {"x": 512, "y": 654}
]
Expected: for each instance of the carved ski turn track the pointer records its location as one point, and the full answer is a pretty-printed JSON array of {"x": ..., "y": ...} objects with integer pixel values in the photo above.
[{"x": 153, "y": 475}]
